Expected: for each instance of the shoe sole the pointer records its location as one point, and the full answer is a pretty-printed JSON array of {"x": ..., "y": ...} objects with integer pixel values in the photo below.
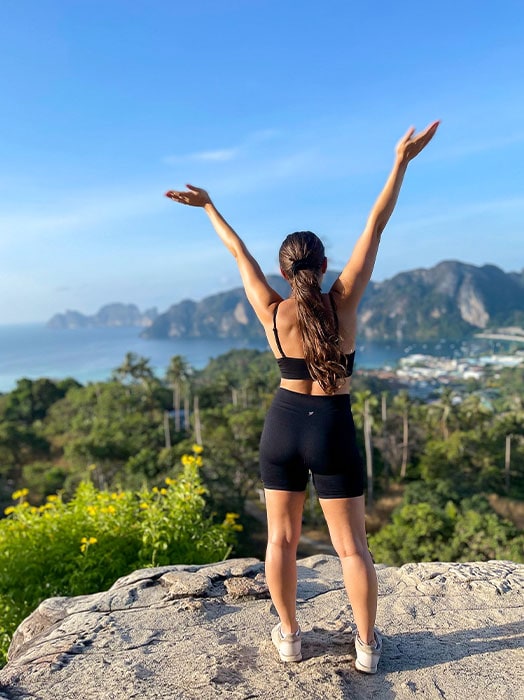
[
  {"x": 286, "y": 659},
  {"x": 365, "y": 669}
]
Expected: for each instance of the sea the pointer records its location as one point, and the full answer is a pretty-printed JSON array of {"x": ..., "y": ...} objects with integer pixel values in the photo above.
[{"x": 91, "y": 354}]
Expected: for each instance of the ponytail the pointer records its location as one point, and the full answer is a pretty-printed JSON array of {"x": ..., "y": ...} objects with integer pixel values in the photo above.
[{"x": 301, "y": 258}]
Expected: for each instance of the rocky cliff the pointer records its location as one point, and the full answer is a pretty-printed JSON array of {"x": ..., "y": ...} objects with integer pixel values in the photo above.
[
  {"x": 451, "y": 301},
  {"x": 450, "y": 631},
  {"x": 110, "y": 315}
]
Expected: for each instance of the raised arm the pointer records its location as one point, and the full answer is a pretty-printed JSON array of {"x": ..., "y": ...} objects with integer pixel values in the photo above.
[
  {"x": 350, "y": 285},
  {"x": 260, "y": 295}
]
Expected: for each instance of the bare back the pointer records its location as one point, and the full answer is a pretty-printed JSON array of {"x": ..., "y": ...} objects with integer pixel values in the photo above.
[{"x": 291, "y": 341}]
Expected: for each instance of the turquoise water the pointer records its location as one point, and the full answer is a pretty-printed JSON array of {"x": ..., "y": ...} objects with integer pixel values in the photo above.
[
  {"x": 35, "y": 351},
  {"x": 91, "y": 354}
]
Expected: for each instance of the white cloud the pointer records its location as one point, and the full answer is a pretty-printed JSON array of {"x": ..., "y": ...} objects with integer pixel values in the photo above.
[
  {"x": 224, "y": 154},
  {"x": 219, "y": 155},
  {"x": 77, "y": 211},
  {"x": 463, "y": 148},
  {"x": 461, "y": 212}
]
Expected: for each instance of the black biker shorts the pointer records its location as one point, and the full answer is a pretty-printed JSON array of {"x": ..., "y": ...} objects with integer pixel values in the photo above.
[{"x": 316, "y": 434}]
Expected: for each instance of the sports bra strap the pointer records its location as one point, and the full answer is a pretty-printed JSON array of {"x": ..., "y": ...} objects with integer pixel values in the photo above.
[{"x": 275, "y": 331}]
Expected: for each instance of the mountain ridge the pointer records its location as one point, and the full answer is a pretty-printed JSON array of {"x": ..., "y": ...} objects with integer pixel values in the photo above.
[
  {"x": 109, "y": 315},
  {"x": 452, "y": 300}
]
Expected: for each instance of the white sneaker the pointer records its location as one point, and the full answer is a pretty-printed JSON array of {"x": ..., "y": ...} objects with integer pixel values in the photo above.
[
  {"x": 368, "y": 654},
  {"x": 289, "y": 646}
]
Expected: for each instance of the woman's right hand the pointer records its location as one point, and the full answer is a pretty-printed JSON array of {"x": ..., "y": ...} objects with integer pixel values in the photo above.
[
  {"x": 193, "y": 196},
  {"x": 410, "y": 146}
]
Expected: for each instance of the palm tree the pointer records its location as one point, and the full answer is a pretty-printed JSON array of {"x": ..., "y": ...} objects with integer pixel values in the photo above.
[
  {"x": 135, "y": 369},
  {"x": 446, "y": 403},
  {"x": 363, "y": 402},
  {"x": 384, "y": 407},
  {"x": 177, "y": 376},
  {"x": 401, "y": 401},
  {"x": 510, "y": 422}
]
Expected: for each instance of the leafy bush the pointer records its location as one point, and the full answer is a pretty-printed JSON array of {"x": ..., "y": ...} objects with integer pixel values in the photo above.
[
  {"x": 83, "y": 545},
  {"x": 454, "y": 531}
]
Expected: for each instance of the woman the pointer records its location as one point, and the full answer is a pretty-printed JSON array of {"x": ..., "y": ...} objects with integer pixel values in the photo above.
[{"x": 309, "y": 426}]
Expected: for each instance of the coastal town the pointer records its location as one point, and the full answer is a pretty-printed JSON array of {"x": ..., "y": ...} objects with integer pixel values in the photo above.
[{"x": 424, "y": 375}]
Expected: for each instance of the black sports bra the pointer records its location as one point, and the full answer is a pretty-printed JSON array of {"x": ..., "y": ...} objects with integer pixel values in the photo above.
[{"x": 296, "y": 367}]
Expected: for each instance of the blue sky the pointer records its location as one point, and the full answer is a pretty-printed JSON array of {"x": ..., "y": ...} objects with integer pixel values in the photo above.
[{"x": 286, "y": 112}]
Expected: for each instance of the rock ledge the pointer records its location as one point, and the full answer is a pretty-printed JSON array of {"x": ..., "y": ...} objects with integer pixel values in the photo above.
[{"x": 203, "y": 632}]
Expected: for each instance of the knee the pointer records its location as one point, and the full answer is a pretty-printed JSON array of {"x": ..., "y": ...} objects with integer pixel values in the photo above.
[
  {"x": 283, "y": 540},
  {"x": 354, "y": 549}
]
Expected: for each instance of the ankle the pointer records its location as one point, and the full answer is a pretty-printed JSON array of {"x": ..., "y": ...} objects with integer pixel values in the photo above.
[
  {"x": 291, "y": 628},
  {"x": 367, "y": 641}
]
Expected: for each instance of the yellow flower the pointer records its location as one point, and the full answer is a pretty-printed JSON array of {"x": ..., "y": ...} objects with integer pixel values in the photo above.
[
  {"x": 86, "y": 541},
  {"x": 9, "y": 510},
  {"x": 19, "y": 494},
  {"x": 110, "y": 509},
  {"x": 52, "y": 498},
  {"x": 163, "y": 491},
  {"x": 144, "y": 505},
  {"x": 91, "y": 510},
  {"x": 169, "y": 481},
  {"x": 197, "y": 449},
  {"x": 230, "y": 521},
  {"x": 187, "y": 460},
  {"x": 155, "y": 489}
]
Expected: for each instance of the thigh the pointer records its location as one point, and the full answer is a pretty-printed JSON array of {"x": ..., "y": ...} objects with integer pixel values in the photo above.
[{"x": 284, "y": 515}]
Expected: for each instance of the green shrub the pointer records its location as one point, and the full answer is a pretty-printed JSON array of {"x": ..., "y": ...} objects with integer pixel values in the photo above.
[
  {"x": 466, "y": 530},
  {"x": 84, "y": 545}
]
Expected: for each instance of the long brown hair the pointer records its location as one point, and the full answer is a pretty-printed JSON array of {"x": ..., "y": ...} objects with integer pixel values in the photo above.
[{"x": 301, "y": 258}]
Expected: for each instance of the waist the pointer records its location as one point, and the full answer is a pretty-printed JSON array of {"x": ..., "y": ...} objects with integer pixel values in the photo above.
[{"x": 288, "y": 397}]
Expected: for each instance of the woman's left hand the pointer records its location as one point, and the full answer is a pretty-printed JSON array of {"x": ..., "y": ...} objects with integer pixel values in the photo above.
[
  {"x": 411, "y": 144},
  {"x": 193, "y": 196}
]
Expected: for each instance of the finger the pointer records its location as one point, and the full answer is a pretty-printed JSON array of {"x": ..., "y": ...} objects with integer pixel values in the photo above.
[
  {"x": 409, "y": 133},
  {"x": 193, "y": 188},
  {"x": 429, "y": 132},
  {"x": 177, "y": 196}
]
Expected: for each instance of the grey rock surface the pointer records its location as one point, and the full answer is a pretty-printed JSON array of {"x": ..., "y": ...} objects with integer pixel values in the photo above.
[{"x": 183, "y": 632}]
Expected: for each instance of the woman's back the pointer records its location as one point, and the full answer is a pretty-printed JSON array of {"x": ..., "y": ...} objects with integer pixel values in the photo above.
[{"x": 286, "y": 342}]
